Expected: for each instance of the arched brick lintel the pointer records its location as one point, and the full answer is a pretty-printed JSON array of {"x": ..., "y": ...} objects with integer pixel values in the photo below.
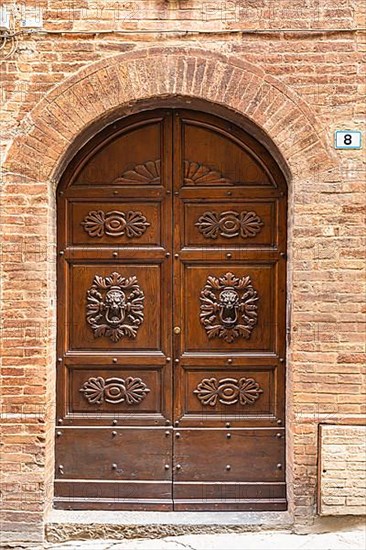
[{"x": 95, "y": 93}]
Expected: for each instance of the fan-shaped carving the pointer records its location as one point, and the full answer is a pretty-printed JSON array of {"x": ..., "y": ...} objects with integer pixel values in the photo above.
[
  {"x": 149, "y": 172},
  {"x": 194, "y": 174},
  {"x": 199, "y": 174}
]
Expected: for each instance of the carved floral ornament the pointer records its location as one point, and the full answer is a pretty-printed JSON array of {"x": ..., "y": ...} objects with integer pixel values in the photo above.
[
  {"x": 115, "y": 306},
  {"x": 228, "y": 307},
  {"x": 229, "y": 224},
  {"x": 114, "y": 390},
  {"x": 228, "y": 391},
  {"x": 115, "y": 223}
]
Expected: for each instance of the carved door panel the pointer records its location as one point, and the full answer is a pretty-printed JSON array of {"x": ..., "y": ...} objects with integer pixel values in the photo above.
[
  {"x": 230, "y": 269},
  {"x": 114, "y": 388},
  {"x": 171, "y": 308}
]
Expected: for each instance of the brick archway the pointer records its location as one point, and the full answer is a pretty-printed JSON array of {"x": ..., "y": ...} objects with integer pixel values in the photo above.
[
  {"x": 49, "y": 134},
  {"x": 97, "y": 91}
]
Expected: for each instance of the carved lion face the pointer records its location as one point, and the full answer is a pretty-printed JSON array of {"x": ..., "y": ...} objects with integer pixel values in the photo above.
[
  {"x": 229, "y": 302},
  {"x": 115, "y": 301}
]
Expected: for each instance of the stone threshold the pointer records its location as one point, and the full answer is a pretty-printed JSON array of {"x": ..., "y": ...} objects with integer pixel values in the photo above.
[{"x": 64, "y": 525}]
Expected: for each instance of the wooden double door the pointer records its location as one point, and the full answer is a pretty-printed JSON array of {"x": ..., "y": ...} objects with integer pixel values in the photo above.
[{"x": 171, "y": 319}]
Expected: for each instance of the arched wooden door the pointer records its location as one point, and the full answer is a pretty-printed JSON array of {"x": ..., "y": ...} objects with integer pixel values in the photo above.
[{"x": 171, "y": 319}]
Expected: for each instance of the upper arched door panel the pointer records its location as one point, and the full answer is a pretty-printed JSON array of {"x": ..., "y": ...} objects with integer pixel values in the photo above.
[{"x": 207, "y": 150}]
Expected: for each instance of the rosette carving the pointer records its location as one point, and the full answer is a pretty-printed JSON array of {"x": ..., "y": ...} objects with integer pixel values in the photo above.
[
  {"x": 228, "y": 307},
  {"x": 115, "y": 223},
  {"x": 228, "y": 391},
  {"x": 115, "y": 306},
  {"x": 114, "y": 390},
  {"x": 229, "y": 224}
]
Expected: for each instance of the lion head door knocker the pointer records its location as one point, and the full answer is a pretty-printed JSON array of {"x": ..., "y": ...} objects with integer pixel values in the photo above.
[
  {"x": 228, "y": 307},
  {"x": 115, "y": 306},
  {"x": 115, "y": 302}
]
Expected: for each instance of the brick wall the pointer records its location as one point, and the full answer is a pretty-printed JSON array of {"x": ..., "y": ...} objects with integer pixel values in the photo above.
[{"x": 299, "y": 79}]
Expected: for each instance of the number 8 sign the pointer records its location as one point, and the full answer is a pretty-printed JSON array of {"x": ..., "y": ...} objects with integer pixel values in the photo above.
[{"x": 347, "y": 139}]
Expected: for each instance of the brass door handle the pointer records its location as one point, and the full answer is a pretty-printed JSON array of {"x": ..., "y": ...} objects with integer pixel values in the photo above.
[{"x": 177, "y": 330}]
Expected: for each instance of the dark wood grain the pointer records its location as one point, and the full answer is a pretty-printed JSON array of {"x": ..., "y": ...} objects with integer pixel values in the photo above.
[{"x": 162, "y": 403}]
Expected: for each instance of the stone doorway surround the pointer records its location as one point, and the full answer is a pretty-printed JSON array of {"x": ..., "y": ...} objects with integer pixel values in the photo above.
[{"x": 50, "y": 135}]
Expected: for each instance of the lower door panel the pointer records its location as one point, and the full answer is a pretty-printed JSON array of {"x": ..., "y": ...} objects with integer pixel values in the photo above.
[
  {"x": 237, "y": 469},
  {"x": 119, "y": 468}
]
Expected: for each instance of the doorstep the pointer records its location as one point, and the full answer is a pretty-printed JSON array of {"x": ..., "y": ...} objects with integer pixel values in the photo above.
[{"x": 64, "y": 525}]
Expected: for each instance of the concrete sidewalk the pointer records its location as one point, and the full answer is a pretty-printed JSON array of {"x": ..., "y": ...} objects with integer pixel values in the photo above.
[{"x": 354, "y": 539}]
